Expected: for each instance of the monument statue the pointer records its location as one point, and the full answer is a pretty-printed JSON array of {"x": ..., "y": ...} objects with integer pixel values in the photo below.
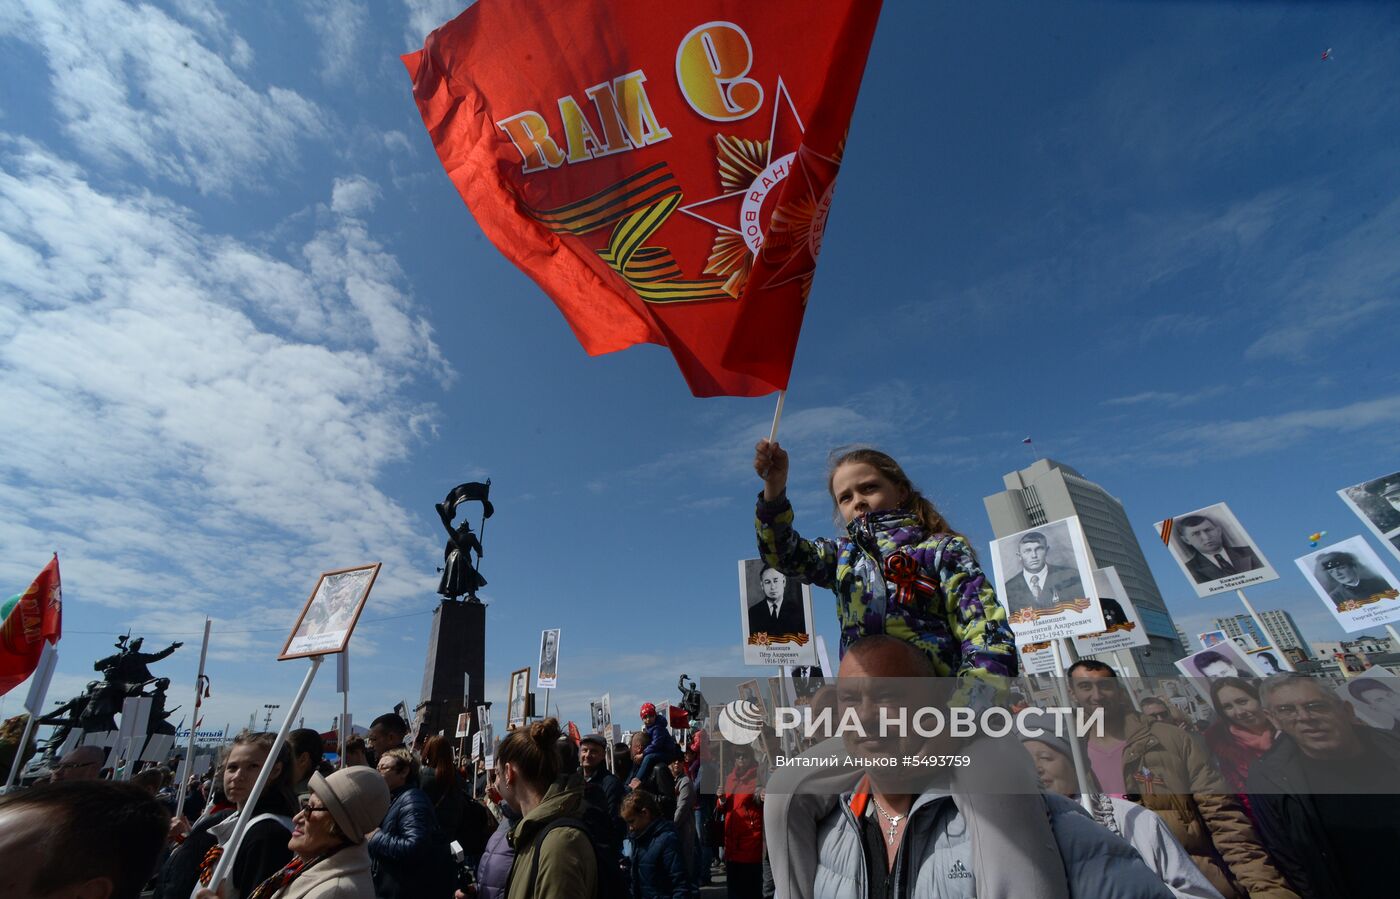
[
  {"x": 126, "y": 673},
  {"x": 459, "y": 576},
  {"x": 692, "y": 700}
]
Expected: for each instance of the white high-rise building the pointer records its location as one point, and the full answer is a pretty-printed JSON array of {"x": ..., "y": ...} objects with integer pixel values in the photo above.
[
  {"x": 1047, "y": 491},
  {"x": 1280, "y": 630}
]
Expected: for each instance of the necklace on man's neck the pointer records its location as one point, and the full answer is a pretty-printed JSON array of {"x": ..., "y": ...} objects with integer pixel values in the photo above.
[{"x": 892, "y": 818}]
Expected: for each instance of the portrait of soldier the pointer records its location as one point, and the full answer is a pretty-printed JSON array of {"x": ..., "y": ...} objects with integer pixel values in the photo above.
[
  {"x": 1040, "y": 585},
  {"x": 1209, "y": 557},
  {"x": 1346, "y": 579}
]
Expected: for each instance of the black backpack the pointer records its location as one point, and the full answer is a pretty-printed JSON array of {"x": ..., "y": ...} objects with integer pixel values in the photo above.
[{"x": 597, "y": 825}]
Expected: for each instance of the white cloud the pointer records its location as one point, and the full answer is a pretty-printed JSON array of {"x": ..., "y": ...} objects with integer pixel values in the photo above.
[
  {"x": 191, "y": 417},
  {"x": 352, "y": 196},
  {"x": 340, "y": 25},
  {"x": 134, "y": 86},
  {"x": 426, "y": 15}
]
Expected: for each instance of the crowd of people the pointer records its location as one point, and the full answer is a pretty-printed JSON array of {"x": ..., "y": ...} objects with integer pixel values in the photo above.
[{"x": 1285, "y": 793}]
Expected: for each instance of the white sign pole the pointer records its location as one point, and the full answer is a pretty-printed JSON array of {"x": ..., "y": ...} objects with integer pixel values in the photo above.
[
  {"x": 1394, "y": 638},
  {"x": 19, "y": 752},
  {"x": 1263, "y": 632},
  {"x": 1076, "y": 751},
  {"x": 342, "y": 686},
  {"x": 194, "y": 724},
  {"x": 1127, "y": 680},
  {"x": 231, "y": 848},
  {"x": 34, "y": 704}
]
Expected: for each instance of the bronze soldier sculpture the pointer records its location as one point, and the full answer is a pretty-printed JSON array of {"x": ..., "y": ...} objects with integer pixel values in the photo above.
[{"x": 459, "y": 576}]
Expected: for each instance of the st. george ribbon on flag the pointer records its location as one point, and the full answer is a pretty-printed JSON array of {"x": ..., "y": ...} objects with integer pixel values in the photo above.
[{"x": 663, "y": 172}]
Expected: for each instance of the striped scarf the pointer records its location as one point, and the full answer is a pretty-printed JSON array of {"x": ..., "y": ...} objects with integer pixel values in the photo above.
[{"x": 278, "y": 882}]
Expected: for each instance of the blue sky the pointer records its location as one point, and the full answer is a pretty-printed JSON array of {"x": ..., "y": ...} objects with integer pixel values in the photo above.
[{"x": 249, "y": 332}]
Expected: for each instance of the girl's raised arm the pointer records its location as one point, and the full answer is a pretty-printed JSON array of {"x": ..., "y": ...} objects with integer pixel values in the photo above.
[{"x": 813, "y": 561}]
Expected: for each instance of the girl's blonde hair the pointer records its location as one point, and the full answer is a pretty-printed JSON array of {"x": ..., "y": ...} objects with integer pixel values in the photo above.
[{"x": 929, "y": 518}]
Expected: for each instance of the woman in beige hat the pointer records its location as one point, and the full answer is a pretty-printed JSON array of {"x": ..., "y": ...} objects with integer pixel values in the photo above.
[{"x": 328, "y": 838}]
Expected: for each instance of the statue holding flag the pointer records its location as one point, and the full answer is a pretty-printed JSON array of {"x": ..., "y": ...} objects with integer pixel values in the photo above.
[{"x": 459, "y": 576}]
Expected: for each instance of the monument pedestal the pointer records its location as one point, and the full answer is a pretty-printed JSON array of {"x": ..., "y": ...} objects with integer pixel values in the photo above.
[{"x": 456, "y": 650}]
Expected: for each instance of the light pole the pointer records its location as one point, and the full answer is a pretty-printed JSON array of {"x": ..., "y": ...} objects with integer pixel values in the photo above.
[{"x": 267, "y": 719}]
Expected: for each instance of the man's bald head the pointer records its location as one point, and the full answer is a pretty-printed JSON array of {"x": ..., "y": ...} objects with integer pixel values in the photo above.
[
  {"x": 81, "y": 763},
  {"x": 881, "y": 655}
]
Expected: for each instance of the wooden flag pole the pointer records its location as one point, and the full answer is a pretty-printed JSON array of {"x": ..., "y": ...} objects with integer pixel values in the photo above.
[
  {"x": 777, "y": 416},
  {"x": 194, "y": 724},
  {"x": 225, "y": 865}
]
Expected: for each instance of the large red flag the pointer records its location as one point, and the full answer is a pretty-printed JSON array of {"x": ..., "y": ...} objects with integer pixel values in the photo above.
[
  {"x": 38, "y": 616},
  {"x": 663, "y": 172}
]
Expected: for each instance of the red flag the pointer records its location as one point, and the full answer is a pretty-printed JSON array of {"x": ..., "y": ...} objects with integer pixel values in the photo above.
[
  {"x": 665, "y": 177},
  {"x": 574, "y": 734},
  {"x": 38, "y": 616}
]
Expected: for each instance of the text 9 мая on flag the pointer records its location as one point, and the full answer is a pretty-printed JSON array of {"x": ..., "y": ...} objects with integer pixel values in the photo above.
[{"x": 664, "y": 176}]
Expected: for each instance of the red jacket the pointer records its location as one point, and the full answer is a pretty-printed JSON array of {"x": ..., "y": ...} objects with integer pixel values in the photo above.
[{"x": 743, "y": 817}]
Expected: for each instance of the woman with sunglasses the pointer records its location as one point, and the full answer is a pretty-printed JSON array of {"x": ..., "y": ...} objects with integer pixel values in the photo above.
[{"x": 328, "y": 840}]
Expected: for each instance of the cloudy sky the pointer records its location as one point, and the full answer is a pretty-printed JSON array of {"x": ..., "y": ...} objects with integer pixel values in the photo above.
[{"x": 249, "y": 332}]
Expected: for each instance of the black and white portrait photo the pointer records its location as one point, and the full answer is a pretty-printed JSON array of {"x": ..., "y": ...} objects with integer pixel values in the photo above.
[
  {"x": 1044, "y": 578},
  {"x": 1221, "y": 660},
  {"x": 1375, "y": 695},
  {"x": 1353, "y": 583},
  {"x": 808, "y": 679},
  {"x": 1214, "y": 551},
  {"x": 329, "y": 616},
  {"x": 548, "y": 677},
  {"x": 516, "y": 697},
  {"x": 1377, "y": 502},
  {"x": 777, "y": 616},
  {"x": 1122, "y": 627}
]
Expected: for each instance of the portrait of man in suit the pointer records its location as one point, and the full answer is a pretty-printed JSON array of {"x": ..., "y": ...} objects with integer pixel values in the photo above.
[
  {"x": 777, "y": 610},
  {"x": 1346, "y": 579},
  {"x": 1210, "y": 558},
  {"x": 1040, "y": 585}
]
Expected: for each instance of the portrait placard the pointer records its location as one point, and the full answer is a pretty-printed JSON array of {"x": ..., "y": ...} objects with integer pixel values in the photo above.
[
  {"x": 1213, "y": 550},
  {"x": 483, "y": 716},
  {"x": 1375, "y": 695},
  {"x": 1377, "y": 502},
  {"x": 516, "y": 697},
  {"x": 749, "y": 690},
  {"x": 488, "y": 746},
  {"x": 597, "y": 719},
  {"x": 464, "y": 724},
  {"x": 1267, "y": 660},
  {"x": 1122, "y": 627},
  {"x": 805, "y": 680},
  {"x": 1353, "y": 584},
  {"x": 1044, "y": 578},
  {"x": 775, "y": 616},
  {"x": 476, "y": 745},
  {"x": 328, "y": 618},
  {"x": 1212, "y": 638},
  {"x": 548, "y": 677},
  {"x": 1037, "y": 658},
  {"x": 1221, "y": 660}
]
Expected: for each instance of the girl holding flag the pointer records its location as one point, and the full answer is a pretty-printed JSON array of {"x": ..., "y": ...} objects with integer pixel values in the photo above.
[{"x": 899, "y": 569}]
